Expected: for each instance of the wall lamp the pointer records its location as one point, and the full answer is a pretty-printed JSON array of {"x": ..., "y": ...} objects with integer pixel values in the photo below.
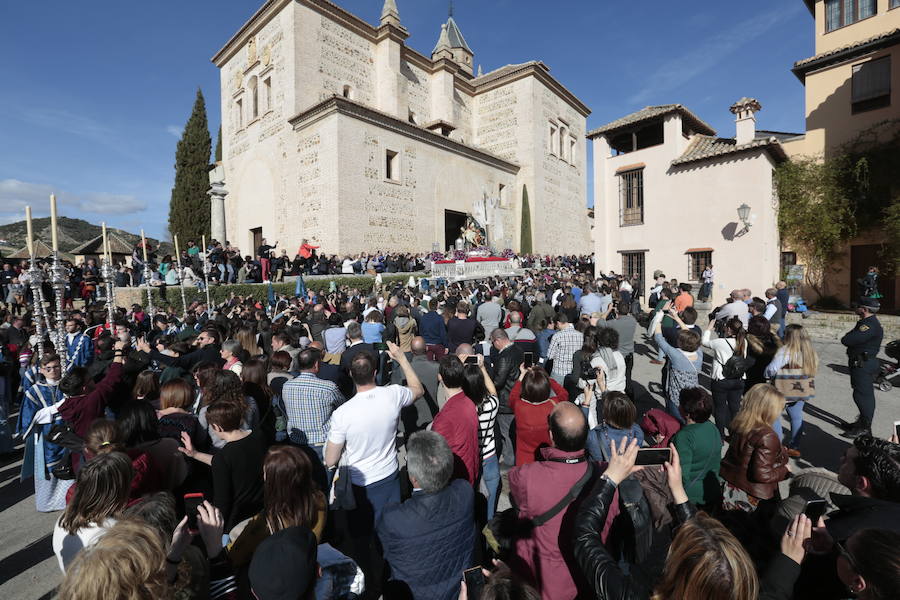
[{"x": 744, "y": 215}]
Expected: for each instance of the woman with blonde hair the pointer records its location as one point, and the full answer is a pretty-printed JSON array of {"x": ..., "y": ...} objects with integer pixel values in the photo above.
[
  {"x": 794, "y": 369},
  {"x": 101, "y": 493},
  {"x": 128, "y": 562},
  {"x": 247, "y": 339},
  {"x": 755, "y": 461}
]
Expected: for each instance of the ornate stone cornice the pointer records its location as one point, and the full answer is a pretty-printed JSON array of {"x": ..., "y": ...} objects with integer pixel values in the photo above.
[
  {"x": 535, "y": 69},
  {"x": 343, "y": 106}
]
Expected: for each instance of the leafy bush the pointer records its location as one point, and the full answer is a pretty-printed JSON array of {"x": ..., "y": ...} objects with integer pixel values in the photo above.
[{"x": 260, "y": 291}]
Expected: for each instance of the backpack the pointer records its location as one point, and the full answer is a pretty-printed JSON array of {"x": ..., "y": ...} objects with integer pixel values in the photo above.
[{"x": 736, "y": 366}]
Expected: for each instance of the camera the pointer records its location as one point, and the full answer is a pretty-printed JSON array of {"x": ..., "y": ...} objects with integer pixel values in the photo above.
[{"x": 588, "y": 373}]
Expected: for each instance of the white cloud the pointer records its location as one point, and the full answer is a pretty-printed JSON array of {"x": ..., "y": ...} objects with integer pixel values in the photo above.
[
  {"x": 15, "y": 195},
  {"x": 679, "y": 70},
  {"x": 174, "y": 130}
]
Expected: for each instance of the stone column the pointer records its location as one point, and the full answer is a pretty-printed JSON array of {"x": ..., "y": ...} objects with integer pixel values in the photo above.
[{"x": 217, "y": 193}]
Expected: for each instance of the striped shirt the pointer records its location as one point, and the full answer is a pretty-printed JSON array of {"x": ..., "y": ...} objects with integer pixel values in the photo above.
[
  {"x": 487, "y": 416},
  {"x": 309, "y": 402}
]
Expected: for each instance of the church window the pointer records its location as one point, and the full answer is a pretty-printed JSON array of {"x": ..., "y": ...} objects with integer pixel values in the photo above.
[
  {"x": 239, "y": 113},
  {"x": 254, "y": 98},
  {"x": 563, "y": 136},
  {"x": 267, "y": 87},
  {"x": 501, "y": 192},
  {"x": 392, "y": 165},
  {"x": 347, "y": 92},
  {"x": 554, "y": 135},
  {"x": 572, "y": 150}
]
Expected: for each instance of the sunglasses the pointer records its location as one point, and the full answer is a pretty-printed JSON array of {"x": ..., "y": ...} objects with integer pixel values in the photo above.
[{"x": 842, "y": 550}]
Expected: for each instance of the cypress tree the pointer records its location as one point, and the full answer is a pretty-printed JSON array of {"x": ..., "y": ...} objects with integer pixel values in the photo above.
[
  {"x": 219, "y": 145},
  {"x": 525, "y": 246},
  {"x": 189, "y": 208}
]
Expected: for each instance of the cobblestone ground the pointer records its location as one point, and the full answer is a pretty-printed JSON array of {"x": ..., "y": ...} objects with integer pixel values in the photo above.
[{"x": 28, "y": 568}]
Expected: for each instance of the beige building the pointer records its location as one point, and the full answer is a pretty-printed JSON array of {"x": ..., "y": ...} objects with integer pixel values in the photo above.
[
  {"x": 669, "y": 195},
  {"x": 849, "y": 85},
  {"x": 336, "y": 131}
]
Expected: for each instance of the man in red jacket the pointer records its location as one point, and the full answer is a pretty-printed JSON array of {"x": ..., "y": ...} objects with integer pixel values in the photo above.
[
  {"x": 458, "y": 421},
  {"x": 545, "y": 556}
]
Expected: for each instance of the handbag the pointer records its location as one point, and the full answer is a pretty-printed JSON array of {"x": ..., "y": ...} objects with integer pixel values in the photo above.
[
  {"x": 507, "y": 526},
  {"x": 736, "y": 366},
  {"x": 795, "y": 385}
]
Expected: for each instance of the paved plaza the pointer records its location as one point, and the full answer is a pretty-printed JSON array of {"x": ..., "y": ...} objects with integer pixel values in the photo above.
[{"x": 28, "y": 569}]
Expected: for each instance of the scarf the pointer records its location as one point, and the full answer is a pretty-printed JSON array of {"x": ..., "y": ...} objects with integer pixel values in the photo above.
[{"x": 606, "y": 355}]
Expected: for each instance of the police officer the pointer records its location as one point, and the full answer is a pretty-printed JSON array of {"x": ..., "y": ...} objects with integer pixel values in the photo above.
[{"x": 863, "y": 343}]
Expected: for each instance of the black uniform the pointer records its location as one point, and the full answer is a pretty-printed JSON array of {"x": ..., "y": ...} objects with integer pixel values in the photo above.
[{"x": 863, "y": 343}]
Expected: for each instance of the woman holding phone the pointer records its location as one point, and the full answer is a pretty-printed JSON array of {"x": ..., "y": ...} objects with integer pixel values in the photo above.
[{"x": 479, "y": 388}]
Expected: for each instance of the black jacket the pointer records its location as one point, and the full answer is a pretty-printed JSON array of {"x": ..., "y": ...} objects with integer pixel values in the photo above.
[
  {"x": 597, "y": 564},
  {"x": 505, "y": 373},
  {"x": 208, "y": 353}
]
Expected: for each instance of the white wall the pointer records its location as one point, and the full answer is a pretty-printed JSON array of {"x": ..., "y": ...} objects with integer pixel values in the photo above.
[{"x": 692, "y": 206}]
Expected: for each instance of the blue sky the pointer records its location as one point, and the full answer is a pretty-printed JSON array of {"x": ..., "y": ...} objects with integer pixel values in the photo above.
[{"x": 95, "y": 93}]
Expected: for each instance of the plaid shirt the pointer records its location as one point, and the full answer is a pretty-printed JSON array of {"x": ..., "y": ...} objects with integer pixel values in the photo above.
[
  {"x": 309, "y": 402},
  {"x": 563, "y": 345}
]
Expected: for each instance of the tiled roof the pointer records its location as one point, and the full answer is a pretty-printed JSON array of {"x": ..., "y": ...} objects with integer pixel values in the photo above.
[
  {"x": 456, "y": 37},
  {"x": 116, "y": 245},
  {"x": 653, "y": 112},
  {"x": 801, "y": 67},
  {"x": 703, "y": 147}
]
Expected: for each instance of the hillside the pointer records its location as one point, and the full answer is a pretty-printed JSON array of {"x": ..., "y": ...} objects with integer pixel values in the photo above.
[{"x": 72, "y": 233}]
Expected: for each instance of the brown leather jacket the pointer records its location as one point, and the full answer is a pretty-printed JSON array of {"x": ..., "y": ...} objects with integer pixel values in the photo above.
[{"x": 755, "y": 462}]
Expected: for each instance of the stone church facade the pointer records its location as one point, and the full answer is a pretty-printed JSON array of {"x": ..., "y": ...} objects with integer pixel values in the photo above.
[{"x": 335, "y": 131}]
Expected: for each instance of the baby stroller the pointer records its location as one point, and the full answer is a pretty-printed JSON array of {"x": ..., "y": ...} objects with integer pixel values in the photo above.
[{"x": 888, "y": 370}]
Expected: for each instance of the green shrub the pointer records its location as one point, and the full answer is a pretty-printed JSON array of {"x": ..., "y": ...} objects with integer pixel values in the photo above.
[{"x": 260, "y": 291}]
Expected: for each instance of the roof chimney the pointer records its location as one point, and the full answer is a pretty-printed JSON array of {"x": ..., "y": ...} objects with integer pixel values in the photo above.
[{"x": 744, "y": 111}]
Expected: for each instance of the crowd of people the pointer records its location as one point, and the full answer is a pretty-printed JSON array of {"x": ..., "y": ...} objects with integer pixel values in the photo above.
[
  {"x": 354, "y": 445},
  {"x": 224, "y": 263}
]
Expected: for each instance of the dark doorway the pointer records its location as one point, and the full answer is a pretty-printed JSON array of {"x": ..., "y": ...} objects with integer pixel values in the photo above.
[
  {"x": 633, "y": 263},
  {"x": 453, "y": 222},
  {"x": 864, "y": 256},
  {"x": 257, "y": 239}
]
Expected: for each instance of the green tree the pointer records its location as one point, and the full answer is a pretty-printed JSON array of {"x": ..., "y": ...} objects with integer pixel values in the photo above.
[
  {"x": 825, "y": 202},
  {"x": 189, "y": 207},
  {"x": 525, "y": 245},
  {"x": 219, "y": 145}
]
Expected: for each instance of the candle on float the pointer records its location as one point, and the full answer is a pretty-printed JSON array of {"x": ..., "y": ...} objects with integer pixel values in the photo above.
[
  {"x": 30, "y": 230},
  {"x": 103, "y": 239},
  {"x": 177, "y": 252},
  {"x": 144, "y": 245},
  {"x": 53, "y": 234}
]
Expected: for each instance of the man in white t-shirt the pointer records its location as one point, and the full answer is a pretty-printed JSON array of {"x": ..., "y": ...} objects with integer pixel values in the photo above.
[{"x": 364, "y": 429}]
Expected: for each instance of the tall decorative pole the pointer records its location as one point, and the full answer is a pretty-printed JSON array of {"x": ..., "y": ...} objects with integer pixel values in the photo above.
[
  {"x": 35, "y": 281},
  {"x": 180, "y": 272},
  {"x": 147, "y": 276},
  {"x": 106, "y": 271},
  {"x": 207, "y": 267},
  {"x": 58, "y": 281}
]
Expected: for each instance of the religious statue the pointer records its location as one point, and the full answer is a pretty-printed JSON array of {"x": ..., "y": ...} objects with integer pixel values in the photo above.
[{"x": 473, "y": 234}]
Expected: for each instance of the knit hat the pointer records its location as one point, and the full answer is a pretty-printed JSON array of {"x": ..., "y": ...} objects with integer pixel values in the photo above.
[{"x": 284, "y": 565}]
